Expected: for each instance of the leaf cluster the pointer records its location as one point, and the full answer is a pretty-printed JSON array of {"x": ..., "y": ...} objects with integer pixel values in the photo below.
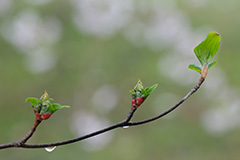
[
  {"x": 44, "y": 105},
  {"x": 140, "y": 91},
  {"x": 205, "y": 51}
]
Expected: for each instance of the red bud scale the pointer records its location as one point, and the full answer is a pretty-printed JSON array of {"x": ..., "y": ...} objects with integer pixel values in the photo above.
[{"x": 138, "y": 101}]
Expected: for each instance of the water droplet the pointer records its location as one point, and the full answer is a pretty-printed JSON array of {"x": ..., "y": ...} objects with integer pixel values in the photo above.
[
  {"x": 50, "y": 149},
  {"x": 125, "y": 127}
]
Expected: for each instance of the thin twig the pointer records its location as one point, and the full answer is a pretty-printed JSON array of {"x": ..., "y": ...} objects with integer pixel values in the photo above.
[
  {"x": 126, "y": 122},
  {"x": 201, "y": 80},
  {"x": 117, "y": 125},
  {"x": 31, "y": 132},
  {"x": 24, "y": 139}
]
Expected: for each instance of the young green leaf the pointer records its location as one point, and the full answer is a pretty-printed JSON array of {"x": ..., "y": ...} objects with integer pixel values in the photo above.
[
  {"x": 34, "y": 101},
  {"x": 139, "y": 94},
  {"x": 44, "y": 97},
  {"x": 208, "y": 48},
  {"x": 43, "y": 108},
  {"x": 195, "y": 68},
  {"x": 139, "y": 85},
  {"x": 132, "y": 91},
  {"x": 205, "y": 51},
  {"x": 57, "y": 106},
  {"x": 144, "y": 93},
  {"x": 151, "y": 89},
  {"x": 211, "y": 64},
  {"x": 139, "y": 90}
]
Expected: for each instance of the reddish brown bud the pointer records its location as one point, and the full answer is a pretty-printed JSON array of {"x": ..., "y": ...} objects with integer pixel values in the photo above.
[
  {"x": 37, "y": 116},
  {"x": 45, "y": 116},
  {"x": 137, "y": 102},
  {"x": 133, "y": 102}
]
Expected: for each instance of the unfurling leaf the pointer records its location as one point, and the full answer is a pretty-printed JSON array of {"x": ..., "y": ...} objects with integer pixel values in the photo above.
[
  {"x": 33, "y": 100},
  {"x": 43, "y": 108},
  {"x": 132, "y": 91},
  {"x": 205, "y": 51},
  {"x": 211, "y": 64},
  {"x": 151, "y": 89},
  {"x": 139, "y": 94},
  {"x": 58, "y": 106},
  {"x": 208, "y": 48},
  {"x": 195, "y": 68},
  {"x": 139, "y": 85}
]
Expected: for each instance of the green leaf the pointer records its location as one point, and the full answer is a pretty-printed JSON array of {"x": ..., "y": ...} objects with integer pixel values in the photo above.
[
  {"x": 139, "y": 85},
  {"x": 50, "y": 107},
  {"x": 33, "y": 100},
  {"x": 132, "y": 91},
  {"x": 144, "y": 93},
  {"x": 208, "y": 48},
  {"x": 44, "y": 97},
  {"x": 45, "y": 109},
  {"x": 57, "y": 106},
  {"x": 151, "y": 89},
  {"x": 195, "y": 68},
  {"x": 139, "y": 91},
  {"x": 211, "y": 64}
]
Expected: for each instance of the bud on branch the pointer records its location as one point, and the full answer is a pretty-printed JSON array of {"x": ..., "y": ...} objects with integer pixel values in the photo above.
[
  {"x": 205, "y": 51},
  {"x": 43, "y": 108},
  {"x": 139, "y": 94}
]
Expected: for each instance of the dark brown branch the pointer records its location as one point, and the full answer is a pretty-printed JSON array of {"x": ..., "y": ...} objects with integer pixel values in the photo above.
[
  {"x": 201, "y": 80},
  {"x": 126, "y": 122},
  {"x": 24, "y": 139},
  {"x": 73, "y": 140},
  {"x": 117, "y": 125},
  {"x": 30, "y": 133},
  {"x": 8, "y": 145}
]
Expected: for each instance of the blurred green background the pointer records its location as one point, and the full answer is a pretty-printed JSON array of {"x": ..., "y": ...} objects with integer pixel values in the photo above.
[{"x": 89, "y": 53}]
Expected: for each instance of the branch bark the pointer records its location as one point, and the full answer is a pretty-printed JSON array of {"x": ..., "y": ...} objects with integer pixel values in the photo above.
[
  {"x": 22, "y": 143},
  {"x": 24, "y": 139}
]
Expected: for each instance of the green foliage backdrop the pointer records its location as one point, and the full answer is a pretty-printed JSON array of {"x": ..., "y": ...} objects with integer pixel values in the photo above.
[{"x": 89, "y": 54}]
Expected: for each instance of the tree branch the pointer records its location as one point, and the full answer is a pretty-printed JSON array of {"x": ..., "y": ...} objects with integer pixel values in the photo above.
[
  {"x": 24, "y": 139},
  {"x": 22, "y": 143},
  {"x": 201, "y": 80}
]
